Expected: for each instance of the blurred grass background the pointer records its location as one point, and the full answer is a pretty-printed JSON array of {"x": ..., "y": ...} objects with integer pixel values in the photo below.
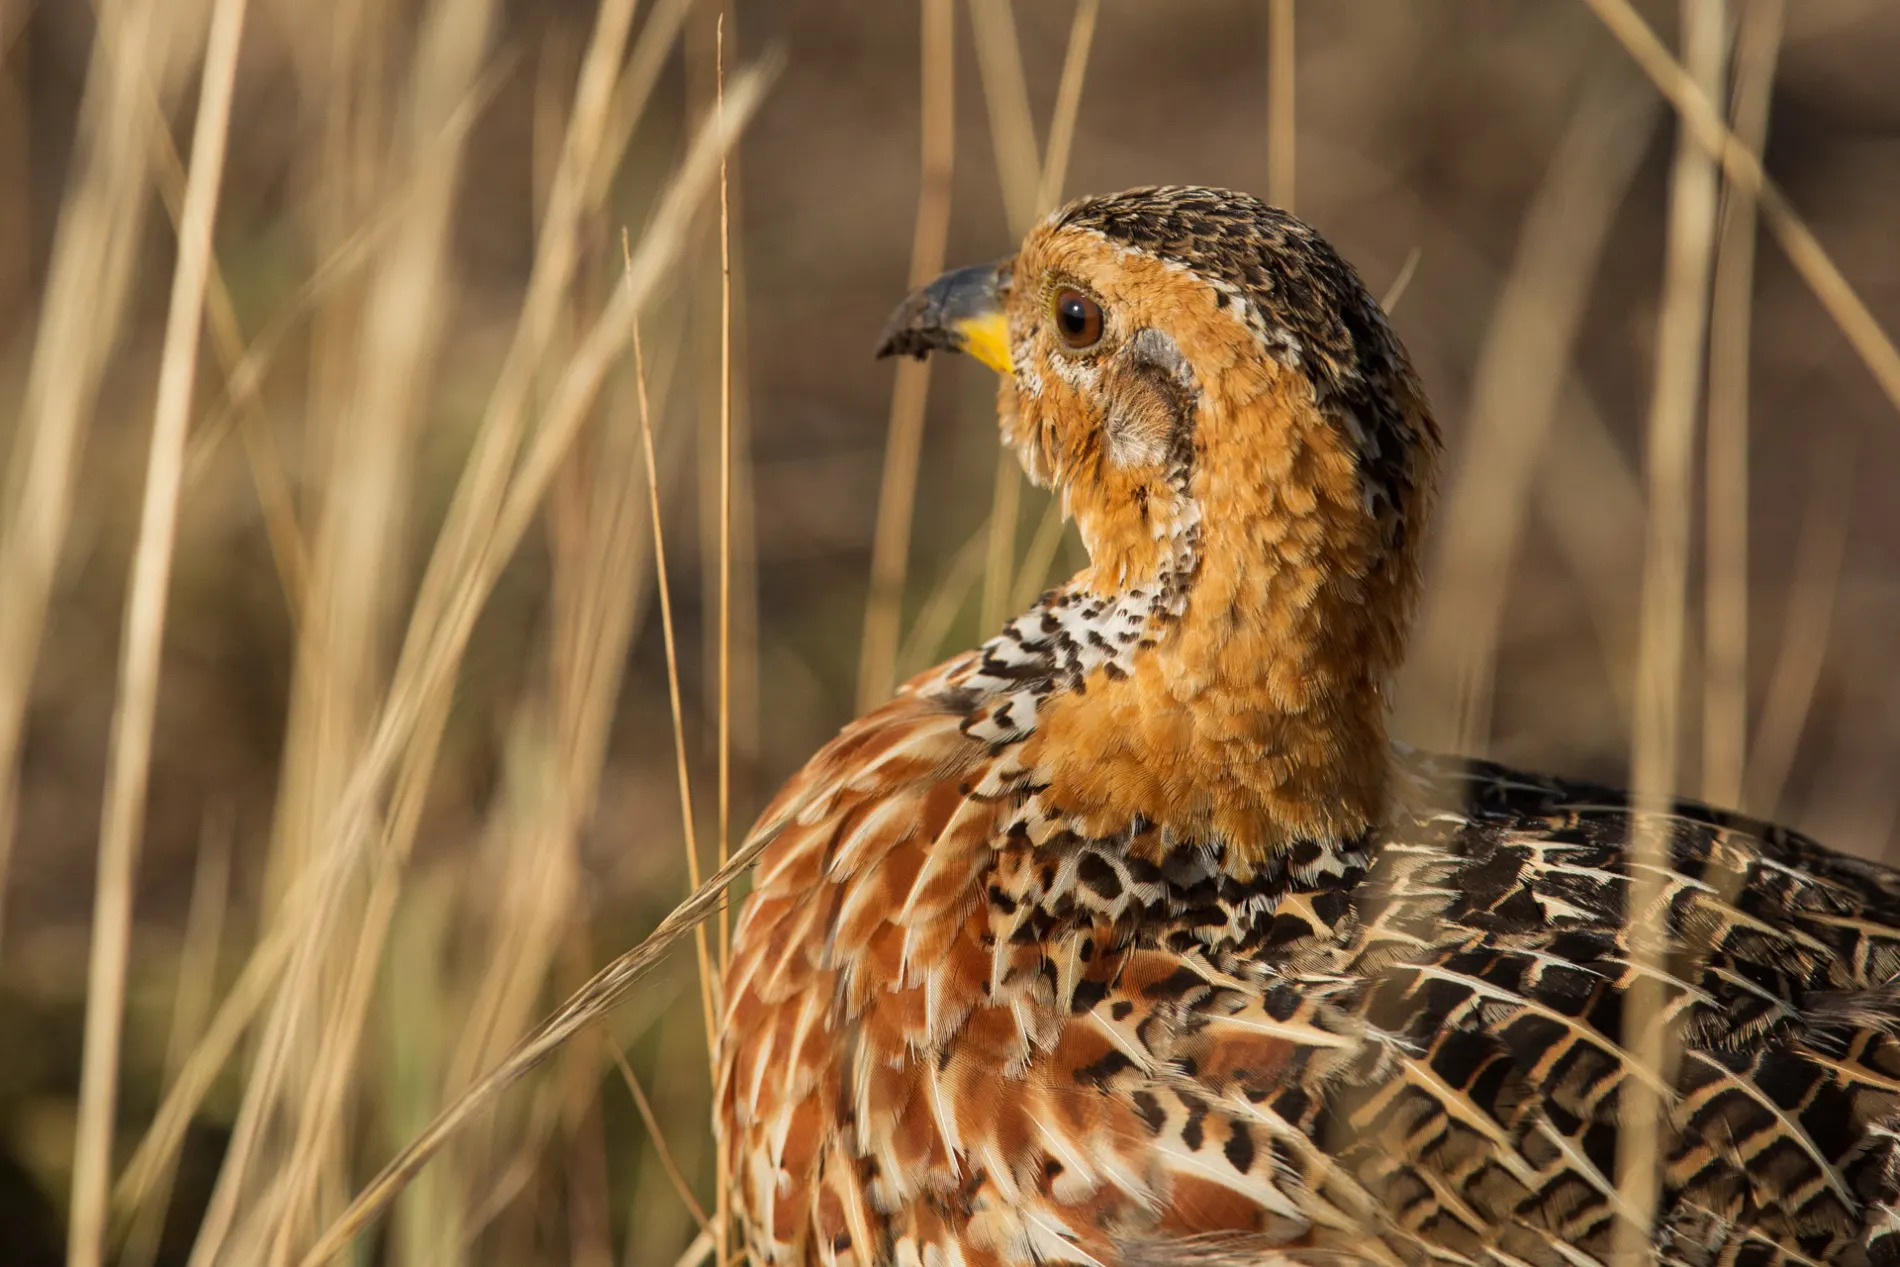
[{"x": 408, "y": 274}]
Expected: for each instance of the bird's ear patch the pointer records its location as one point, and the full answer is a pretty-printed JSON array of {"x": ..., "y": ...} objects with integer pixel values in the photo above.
[
  {"x": 1150, "y": 348},
  {"x": 1151, "y": 402}
]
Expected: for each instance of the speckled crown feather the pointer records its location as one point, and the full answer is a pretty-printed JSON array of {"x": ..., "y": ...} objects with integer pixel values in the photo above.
[{"x": 1308, "y": 307}]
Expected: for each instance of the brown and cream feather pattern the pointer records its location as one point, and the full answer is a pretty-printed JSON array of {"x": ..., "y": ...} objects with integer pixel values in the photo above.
[{"x": 1129, "y": 938}]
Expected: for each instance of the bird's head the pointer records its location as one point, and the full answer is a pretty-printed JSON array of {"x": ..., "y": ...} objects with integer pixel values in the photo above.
[
  {"x": 1181, "y": 359},
  {"x": 1211, "y": 390}
]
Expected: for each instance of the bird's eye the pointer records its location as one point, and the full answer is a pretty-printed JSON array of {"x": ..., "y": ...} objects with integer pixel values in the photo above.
[{"x": 1078, "y": 319}]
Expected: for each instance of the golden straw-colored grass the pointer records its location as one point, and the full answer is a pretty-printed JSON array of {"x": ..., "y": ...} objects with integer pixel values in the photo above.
[
  {"x": 350, "y": 714},
  {"x": 1675, "y": 397},
  {"x": 129, "y": 762}
]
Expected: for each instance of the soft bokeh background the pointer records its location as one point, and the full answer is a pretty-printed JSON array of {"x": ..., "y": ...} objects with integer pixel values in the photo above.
[{"x": 1503, "y": 159}]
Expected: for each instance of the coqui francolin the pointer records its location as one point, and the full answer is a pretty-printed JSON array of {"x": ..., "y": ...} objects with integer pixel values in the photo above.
[{"x": 1131, "y": 938}]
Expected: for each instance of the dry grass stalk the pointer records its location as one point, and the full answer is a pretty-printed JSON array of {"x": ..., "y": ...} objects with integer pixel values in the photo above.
[
  {"x": 1805, "y": 626},
  {"x": 1401, "y": 281},
  {"x": 408, "y": 705},
  {"x": 725, "y": 490},
  {"x": 1704, "y": 121},
  {"x": 378, "y": 343},
  {"x": 725, "y": 502},
  {"x": 681, "y": 1188},
  {"x": 598, "y": 543},
  {"x": 999, "y": 60},
  {"x": 17, "y": 120},
  {"x": 570, "y": 401},
  {"x": 158, "y": 1150},
  {"x": 191, "y": 1006},
  {"x": 1013, "y": 138},
  {"x": 598, "y": 538},
  {"x": 341, "y": 267},
  {"x": 549, "y": 1102},
  {"x": 1682, "y": 329},
  {"x": 658, "y": 34},
  {"x": 121, "y": 828},
  {"x": 1590, "y": 500},
  {"x": 1519, "y": 377},
  {"x": 707, "y": 977},
  {"x": 910, "y": 386},
  {"x": 587, "y": 1005},
  {"x": 275, "y": 496},
  {"x": 1006, "y": 497},
  {"x": 698, "y": 1252},
  {"x": 410, "y": 1222},
  {"x": 661, "y": 579},
  {"x": 924, "y": 645},
  {"x": 586, "y": 1195},
  {"x": 1068, "y": 106},
  {"x": 86, "y": 288},
  {"x": 1033, "y": 575},
  {"x": 285, "y": 1145},
  {"x": 1029, "y": 191},
  {"x": 657, "y": 1218},
  {"x": 722, "y": 1178},
  {"x": 1280, "y": 104},
  {"x": 1725, "y": 599}
]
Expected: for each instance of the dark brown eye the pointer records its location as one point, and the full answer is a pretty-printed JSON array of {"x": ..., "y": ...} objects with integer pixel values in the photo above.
[{"x": 1078, "y": 319}]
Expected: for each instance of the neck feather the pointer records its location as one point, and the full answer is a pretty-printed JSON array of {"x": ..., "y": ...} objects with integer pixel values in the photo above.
[
  {"x": 1235, "y": 692},
  {"x": 1175, "y": 702}
]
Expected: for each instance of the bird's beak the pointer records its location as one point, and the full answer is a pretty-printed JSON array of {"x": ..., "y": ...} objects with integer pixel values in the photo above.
[{"x": 961, "y": 311}]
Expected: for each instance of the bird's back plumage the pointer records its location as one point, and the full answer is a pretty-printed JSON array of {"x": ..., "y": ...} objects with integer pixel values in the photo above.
[{"x": 954, "y": 1024}]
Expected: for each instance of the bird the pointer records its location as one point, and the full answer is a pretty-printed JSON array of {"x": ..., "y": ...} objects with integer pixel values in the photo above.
[{"x": 1131, "y": 937}]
